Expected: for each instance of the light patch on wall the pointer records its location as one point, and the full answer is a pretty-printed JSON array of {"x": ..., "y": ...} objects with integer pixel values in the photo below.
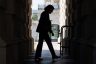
[{"x": 35, "y": 4}]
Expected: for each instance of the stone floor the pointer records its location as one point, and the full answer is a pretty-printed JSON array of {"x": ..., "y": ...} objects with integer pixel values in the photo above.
[{"x": 48, "y": 60}]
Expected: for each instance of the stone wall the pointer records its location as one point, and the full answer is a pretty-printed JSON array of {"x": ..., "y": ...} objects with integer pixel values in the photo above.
[
  {"x": 15, "y": 40},
  {"x": 83, "y": 34}
]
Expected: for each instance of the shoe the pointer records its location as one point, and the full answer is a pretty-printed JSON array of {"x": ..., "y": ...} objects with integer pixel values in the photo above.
[
  {"x": 38, "y": 59},
  {"x": 56, "y": 57}
]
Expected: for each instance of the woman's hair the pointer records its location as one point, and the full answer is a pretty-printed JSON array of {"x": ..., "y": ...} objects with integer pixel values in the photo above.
[{"x": 48, "y": 7}]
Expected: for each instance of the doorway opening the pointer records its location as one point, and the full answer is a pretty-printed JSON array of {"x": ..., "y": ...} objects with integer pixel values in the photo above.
[{"x": 58, "y": 18}]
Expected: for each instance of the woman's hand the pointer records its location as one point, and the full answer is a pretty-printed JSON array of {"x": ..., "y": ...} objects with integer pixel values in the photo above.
[{"x": 52, "y": 34}]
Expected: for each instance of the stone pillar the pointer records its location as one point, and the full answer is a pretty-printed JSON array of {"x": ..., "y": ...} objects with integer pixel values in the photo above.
[
  {"x": 2, "y": 52},
  {"x": 15, "y": 43},
  {"x": 84, "y": 35}
]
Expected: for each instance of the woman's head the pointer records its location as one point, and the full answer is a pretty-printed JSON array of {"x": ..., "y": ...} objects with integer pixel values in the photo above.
[{"x": 49, "y": 8}]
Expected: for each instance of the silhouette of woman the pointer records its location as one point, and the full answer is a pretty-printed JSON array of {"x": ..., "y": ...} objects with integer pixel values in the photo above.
[{"x": 43, "y": 28}]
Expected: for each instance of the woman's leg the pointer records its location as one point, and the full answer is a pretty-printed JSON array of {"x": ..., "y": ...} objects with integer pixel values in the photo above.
[
  {"x": 49, "y": 43},
  {"x": 39, "y": 46}
]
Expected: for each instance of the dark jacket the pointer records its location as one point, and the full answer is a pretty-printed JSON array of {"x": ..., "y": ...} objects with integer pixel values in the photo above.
[{"x": 44, "y": 25}]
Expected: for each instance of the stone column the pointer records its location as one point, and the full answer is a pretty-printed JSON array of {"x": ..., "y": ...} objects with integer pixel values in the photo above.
[{"x": 15, "y": 43}]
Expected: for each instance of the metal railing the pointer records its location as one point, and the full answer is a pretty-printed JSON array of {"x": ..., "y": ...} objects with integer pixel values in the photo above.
[{"x": 62, "y": 43}]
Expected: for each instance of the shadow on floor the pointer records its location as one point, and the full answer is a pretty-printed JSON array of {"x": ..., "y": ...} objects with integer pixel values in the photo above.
[{"x": 48, "y": 60}]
